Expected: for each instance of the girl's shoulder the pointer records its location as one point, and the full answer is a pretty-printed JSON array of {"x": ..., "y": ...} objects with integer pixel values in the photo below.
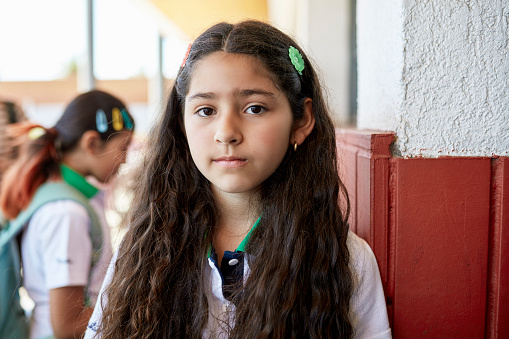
[
  {"x": 362, "y": 263},
  {"x": 368, "y": 309},
  {"x": 60, "y": 212},
  {"x": 358, "y": 248},
  {"x": 62, "y": 207}
]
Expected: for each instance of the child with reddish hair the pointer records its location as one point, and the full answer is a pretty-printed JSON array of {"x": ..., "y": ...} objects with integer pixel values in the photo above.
[{"x": 62, "y": 257}]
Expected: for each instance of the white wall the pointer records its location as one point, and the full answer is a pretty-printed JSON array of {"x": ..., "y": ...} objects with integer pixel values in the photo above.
[
  {"x": 322, "y": 28},
  {"x": 329, "y": 45},
  {"x": 437, "y": 73},
  {"x": 379, "y": 62}
]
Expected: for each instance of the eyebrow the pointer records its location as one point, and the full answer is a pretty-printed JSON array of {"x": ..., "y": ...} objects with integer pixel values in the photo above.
[
  {"x": 242, "y": 93},
  {"x": 208, "y": 95},
  {"x": 249, "y": 92}
]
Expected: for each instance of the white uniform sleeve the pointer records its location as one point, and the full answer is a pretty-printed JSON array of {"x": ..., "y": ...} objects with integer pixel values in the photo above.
[
  {"x": 368, "y": 311},
  {"x": 65, "y": 243},
  {"x": 95, "y": 319}
]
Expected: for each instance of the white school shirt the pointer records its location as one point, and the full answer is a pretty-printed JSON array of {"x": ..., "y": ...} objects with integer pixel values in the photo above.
[
  {"x": 368, "y": 313},
  {"x": 56, "y": 251}
]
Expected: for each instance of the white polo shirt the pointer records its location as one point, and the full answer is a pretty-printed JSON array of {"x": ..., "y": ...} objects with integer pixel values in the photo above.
[
  {"x": 56, "y": 251},
  {"x": 368, "y": 312}
]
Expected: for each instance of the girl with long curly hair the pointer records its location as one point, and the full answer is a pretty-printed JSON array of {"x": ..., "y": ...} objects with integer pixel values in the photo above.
[{"x": 236, "y": 229}]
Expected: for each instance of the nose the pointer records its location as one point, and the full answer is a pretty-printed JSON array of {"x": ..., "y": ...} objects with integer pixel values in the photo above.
[{"x": 228, "y": 130}]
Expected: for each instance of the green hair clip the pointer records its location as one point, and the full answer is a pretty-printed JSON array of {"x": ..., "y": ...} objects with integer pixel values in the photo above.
[{"x": 296, "y": 59}]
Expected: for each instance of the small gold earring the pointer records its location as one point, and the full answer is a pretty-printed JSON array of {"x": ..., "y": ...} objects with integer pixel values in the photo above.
[{"x": 295, "y": 147}]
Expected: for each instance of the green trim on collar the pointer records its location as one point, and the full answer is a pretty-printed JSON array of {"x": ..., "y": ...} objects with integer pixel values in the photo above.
[
  {"x": 77, "y": 181},
  {"x": 244, "y": 242},
  {"x": 246, "y": 239}
]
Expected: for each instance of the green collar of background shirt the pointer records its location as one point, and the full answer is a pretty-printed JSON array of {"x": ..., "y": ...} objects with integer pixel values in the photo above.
[{"x": 77, "y": 181}]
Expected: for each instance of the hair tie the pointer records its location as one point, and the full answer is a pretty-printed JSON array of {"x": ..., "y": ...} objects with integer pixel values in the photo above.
[
  {"x": 36, "y": 132},
  {"x": 56, "y": 151},
  {"x": 55, "y": 147}
]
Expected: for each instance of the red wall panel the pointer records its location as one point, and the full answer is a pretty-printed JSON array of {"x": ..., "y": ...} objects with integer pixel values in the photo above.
[
  {"x": 441, "y": 247},
  {"x": 498, "y": 284},
  {"x": 439, "y": 228},
  {"x": 363, "y": 158}
]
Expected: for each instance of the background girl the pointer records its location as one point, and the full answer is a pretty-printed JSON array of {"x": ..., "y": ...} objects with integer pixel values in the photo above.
[
  {"x": 236, "y": 230},
  {"x": 90, "y": 139}
]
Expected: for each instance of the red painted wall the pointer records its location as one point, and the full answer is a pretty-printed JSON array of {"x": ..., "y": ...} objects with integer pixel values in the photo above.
[
  {"x": 437, "y": 229},
  {"x": 498, "y": 279},
  {"x": 440, "y": 242}
]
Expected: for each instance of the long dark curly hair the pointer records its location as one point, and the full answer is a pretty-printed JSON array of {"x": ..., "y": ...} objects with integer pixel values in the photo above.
[{"x": 158, "y": 288}]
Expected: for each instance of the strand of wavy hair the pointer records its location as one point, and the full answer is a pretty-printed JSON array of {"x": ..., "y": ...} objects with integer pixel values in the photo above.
[{"x": 157, "y": 288}]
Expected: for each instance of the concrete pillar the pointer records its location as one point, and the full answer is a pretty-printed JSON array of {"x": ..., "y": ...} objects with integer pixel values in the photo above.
[
  {"x": 85, "y": 73},
  {"x": 156, "y": 90},
  {"x": 435, "y": 72},
  {"x": 323, "y": 28}
]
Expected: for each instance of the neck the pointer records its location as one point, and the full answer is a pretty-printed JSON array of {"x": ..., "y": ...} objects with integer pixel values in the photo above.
[
  {"x": 75, "y": 161},
  {"x": 237, "y": 211},
  {"x": 237, "y": 214}
]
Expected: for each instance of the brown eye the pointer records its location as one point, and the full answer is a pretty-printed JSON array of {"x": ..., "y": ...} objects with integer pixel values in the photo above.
[
  {"x": 205, "y": 112},
  {"x": 255, "y": 109}
]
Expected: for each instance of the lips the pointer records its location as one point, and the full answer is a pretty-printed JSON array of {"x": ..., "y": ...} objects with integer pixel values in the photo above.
[{"x": 230, "y": 162}]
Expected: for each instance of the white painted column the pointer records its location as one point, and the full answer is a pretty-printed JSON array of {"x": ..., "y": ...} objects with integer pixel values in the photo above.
[
  {"x": 329, "y": 45},
  {"x": 85, "y": 73},
  {"x": 435, "y": 72},
  {"x": 323, "y": 28},
  {"x": 156, "y": 91}
]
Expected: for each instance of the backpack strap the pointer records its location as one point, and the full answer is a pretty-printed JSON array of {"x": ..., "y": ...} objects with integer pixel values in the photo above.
[{"x": 13, "y": 322}]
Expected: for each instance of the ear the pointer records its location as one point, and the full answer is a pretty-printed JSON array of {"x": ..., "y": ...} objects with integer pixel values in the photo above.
[
  {"x": 303, "y": 127},
  {"x": 91, "y": 143}
]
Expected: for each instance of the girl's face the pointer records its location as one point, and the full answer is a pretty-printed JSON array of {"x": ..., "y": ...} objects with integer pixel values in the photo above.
[
  {"x": 238, "y": 124},
  {"x": 111, "y": 155}
]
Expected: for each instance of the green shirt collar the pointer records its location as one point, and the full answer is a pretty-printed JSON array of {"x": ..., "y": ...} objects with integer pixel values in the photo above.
[
  {"x": 244, "y": 241},
  {"x": 77, "y": 181}
]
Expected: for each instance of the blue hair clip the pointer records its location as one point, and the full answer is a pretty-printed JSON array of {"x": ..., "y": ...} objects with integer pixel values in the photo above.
[{"x": 100, "y": 121}]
